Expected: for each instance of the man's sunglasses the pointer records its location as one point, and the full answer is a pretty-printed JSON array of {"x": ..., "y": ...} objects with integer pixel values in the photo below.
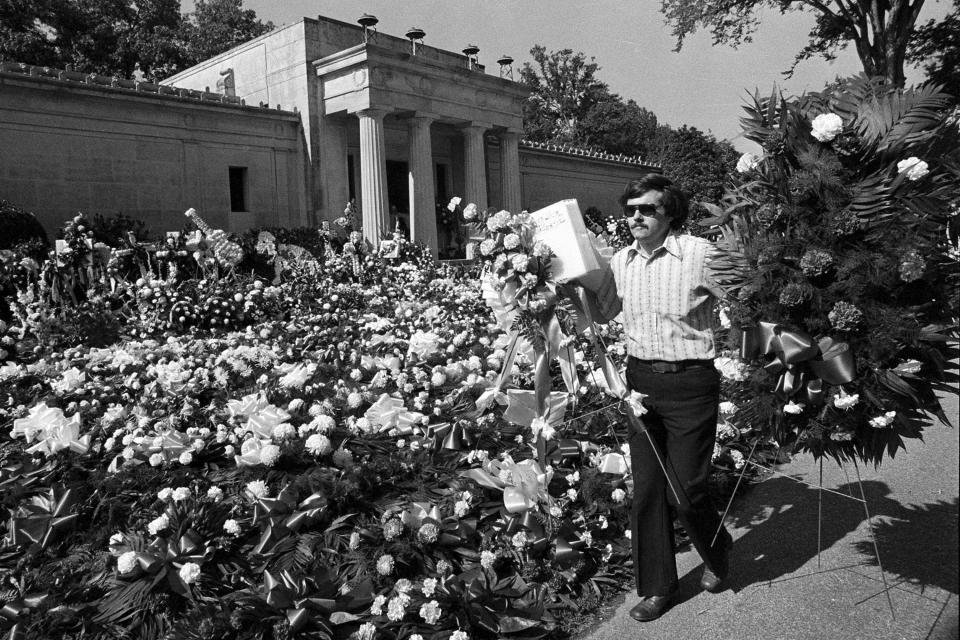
[{"x": 648, "y": 210}]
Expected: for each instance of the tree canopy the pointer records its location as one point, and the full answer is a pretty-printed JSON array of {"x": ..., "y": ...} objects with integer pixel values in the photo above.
[
  {"x": 880, "y": 30},
  {"x": 111, "y": 36},
  {"x": 569, "y": 104},
  {"x": 936, "y": 47}
]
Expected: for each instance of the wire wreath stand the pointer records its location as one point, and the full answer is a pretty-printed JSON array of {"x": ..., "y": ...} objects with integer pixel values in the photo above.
[{"x": 820, "y": 490}]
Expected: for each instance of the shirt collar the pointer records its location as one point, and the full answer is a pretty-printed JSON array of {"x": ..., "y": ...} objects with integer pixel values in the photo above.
[{"x": 671, "y": 245}]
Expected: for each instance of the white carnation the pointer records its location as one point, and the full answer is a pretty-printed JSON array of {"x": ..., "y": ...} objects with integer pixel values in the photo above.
[{"x": 826, "y": 127}]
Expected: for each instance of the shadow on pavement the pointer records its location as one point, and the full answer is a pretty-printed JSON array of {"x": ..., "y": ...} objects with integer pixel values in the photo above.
[
  {"x": 781, "y": 521},
  {"x": 918, "y": 543}
]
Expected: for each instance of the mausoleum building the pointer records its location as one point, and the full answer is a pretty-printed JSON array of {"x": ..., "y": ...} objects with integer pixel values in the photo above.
[{"x": 324, "y": 111}]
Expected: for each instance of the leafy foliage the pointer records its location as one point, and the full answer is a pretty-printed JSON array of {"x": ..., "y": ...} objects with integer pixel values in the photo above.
[
  {"x": 840, "y": 231},
  {"x": 936, "y": 47},
  {"x": 878, "y": 29},
  {"x": 110, "y": 37}
]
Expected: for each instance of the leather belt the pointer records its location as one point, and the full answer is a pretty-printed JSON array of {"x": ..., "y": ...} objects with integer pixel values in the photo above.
[{"x": 663, "y": 366}]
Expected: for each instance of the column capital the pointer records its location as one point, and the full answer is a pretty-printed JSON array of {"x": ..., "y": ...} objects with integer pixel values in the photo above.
[
  {"x": 509, "y": 131},
  {"x": 476, "y": 125},
  {"x": 422, "y": 119},
  {"x": 372, "y": 112}
]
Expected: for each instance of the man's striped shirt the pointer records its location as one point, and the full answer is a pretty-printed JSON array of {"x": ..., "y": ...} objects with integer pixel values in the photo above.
[{"x": 667, "y": 299}]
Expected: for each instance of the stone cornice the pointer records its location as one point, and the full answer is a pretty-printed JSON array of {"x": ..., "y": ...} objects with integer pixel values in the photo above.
[
  {"x": 366, "y": 76},
  {"x": 570, "y": 150},
  {"x": 115, "y": 86}
]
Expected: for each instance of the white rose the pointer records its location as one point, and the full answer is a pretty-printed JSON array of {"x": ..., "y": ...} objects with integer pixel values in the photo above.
[
  {"x": 914, "y": 167},
  {"x": 826, "y": 127}
]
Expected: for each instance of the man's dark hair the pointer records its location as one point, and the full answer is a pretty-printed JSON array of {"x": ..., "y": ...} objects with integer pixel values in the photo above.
[{"x": 676, "y": 205}]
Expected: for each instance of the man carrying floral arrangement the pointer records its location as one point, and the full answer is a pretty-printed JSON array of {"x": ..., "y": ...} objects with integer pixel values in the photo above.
[{"x": 661, "y": 285}]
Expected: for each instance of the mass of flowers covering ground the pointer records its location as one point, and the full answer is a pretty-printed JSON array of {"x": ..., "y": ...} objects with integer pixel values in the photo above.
[
  {"x": 222, "y": 437},
  {"x": 286, "y": 435}
]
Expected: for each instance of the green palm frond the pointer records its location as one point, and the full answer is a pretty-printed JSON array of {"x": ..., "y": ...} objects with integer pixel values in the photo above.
[
  {"x": 896, "y": 119},
  {"x": 871, "y": 197}
]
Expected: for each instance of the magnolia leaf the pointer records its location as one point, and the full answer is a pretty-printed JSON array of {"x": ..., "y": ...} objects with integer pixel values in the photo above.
[{"x": 342, "y": 617}]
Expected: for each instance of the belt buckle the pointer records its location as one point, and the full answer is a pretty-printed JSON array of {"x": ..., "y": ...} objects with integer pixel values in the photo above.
[{"x": 665, "y": 367}]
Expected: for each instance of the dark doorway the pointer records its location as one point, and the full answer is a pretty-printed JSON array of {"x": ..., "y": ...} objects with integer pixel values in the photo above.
[{"x": 398, "y": 195}]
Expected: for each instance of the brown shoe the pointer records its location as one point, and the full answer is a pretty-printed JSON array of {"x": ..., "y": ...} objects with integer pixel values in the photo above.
[{"x": 651, "y": 607}]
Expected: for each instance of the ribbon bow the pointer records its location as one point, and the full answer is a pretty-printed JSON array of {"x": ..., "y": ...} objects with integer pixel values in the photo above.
[
  {"x": 795, "y": 357},
  {"x": 43, "y": 517},
  {"x": 281, "y": 516},
  {"x": 294, "y": 596}
]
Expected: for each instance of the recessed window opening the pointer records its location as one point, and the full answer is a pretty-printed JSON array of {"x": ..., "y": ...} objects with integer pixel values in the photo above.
[{"x": 238, "y": 188}]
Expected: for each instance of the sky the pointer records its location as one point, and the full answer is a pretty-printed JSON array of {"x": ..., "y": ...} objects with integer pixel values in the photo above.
[{"x": 704, "y": 86}]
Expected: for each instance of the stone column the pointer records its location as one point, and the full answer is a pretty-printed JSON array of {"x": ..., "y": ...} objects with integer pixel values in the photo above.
[
  {"x": 475, "y": 175},
  {"x": 423, "y": 214},
  {"x": 510, "y": 196},
  {"x": 475, "y": 166},
  {"x": 373, "y": 175}
]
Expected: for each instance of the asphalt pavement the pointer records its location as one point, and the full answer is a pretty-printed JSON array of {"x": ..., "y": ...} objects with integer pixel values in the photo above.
[{"x": 782, "y": 588}]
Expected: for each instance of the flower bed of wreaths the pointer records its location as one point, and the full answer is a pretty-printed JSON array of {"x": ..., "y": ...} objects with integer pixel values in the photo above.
[
  {"x": 192, "y": 450},
  {"x": 842, "y": 267}
]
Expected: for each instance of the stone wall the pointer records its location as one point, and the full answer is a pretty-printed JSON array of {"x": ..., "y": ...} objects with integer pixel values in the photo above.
[
  {"x": 72, "y": 143},
  {"x": 549, "y": 174}
]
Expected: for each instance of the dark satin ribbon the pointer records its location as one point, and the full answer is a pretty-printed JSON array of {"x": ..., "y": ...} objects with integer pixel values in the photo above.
[
  {"x": 564, "y": 449},
  {"x": 800, "y": 362},
  {"x": 291, "y": 594},
  {"x": 48, "y": 515}
]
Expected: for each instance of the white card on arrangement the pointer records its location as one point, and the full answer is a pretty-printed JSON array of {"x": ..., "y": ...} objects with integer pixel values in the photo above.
[{"x": 560, "y": 226}]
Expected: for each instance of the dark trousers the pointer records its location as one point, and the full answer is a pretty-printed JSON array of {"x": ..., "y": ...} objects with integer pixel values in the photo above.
[{"x": 682, "y": 421}]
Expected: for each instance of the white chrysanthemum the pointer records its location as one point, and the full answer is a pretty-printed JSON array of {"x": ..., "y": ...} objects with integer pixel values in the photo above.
[
  {"x": 511, "y": 241},
  {"x": 826, "y": 126},
  {"x": 727, "y": 408},
  {"x": 190, "y": 572},
  {"x": 323, "y": 423},
  {"x": 354, "y": 399},
  {"x": 127, "y": 562},
  {"x": 883, "y": 421},
  {"x": 572, "y": 494},
  {"x": 844, "y": 401},
  {"x": 158, "y": 524},
  {"x": 181, "y": 493},
  {"x": 459, "y": 635},
  {"x": 232, "y": 527},
  {"x": 618, "y": 495},
  {"x": 318, "y": 444},
  {"x": 366, "y": 631},
  {"x": 429, "y": 586},
  {"x": 258, "y": 489},
  {"x": 385, "y": 564},
  {"x": 431, "y": 612},
  {"x": 376, "y": 608},
  {"x": 487, "y": 558},
  {"x": 215, "y": 494},
  {"x": 519, "y": 262},
  {"x": 519, "y": 540},
  {"x": 269, "y": 454},
  {"x": 164, "y": 494},
  {"x": 487, "y": 246},
  {"x": 914, "y": 167},
  {"x": 460, "y": 508},
  {"x": 283, "y": 431},
  {"x": 396, "y": 609}
]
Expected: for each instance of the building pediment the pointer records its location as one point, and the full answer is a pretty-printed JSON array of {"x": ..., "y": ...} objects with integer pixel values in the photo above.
[{"x": 371, "y": 77}]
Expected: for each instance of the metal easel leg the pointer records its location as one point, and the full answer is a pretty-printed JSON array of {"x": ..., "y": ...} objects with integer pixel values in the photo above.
[{"x": 873, "y": 538}]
